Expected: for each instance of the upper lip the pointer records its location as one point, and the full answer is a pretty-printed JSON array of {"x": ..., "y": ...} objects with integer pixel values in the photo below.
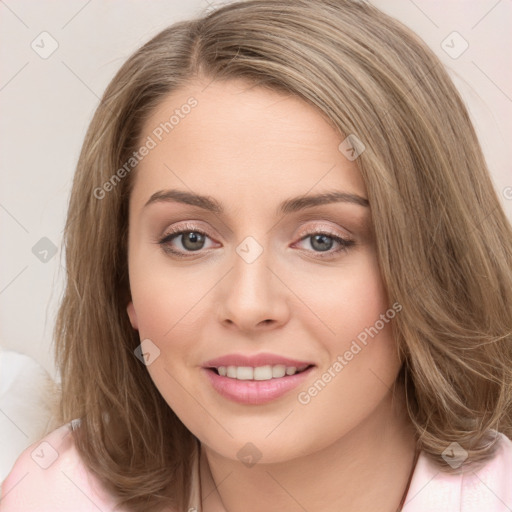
[{"x": 255, "y": 360}]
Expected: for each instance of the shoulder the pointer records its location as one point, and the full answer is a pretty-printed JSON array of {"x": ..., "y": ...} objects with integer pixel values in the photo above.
[
  {"x": 485, "y": 486},
  {"x": 50, "y": 476}
]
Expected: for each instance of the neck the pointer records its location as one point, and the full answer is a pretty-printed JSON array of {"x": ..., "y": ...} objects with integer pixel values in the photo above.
[{"x": 380, "y": 450}]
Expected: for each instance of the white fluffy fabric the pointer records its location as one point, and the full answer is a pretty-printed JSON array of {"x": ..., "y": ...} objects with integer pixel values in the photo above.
[{"x": 28, "y": 398}]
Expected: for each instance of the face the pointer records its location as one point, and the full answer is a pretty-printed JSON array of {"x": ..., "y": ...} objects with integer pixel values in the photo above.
[{"x": 251, "y": 256}]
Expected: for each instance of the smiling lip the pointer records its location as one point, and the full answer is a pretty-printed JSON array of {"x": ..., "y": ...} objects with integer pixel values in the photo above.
[
  {"x": 255, "y": 392},
  {"x": 254, "y": 361}
]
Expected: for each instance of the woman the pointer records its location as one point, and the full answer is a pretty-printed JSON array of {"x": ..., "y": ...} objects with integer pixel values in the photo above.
[{"x": 288, "y": 275}]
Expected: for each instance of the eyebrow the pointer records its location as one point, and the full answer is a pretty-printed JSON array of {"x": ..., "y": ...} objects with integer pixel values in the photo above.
[{"x": 291, "y": 205}]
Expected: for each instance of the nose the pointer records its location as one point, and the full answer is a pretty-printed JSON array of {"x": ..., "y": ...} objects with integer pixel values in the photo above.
[{"x": 254, "y": 296}]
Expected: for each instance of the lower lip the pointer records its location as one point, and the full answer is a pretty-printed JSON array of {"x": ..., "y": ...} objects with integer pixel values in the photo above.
[{"x": 255, "y": 392}]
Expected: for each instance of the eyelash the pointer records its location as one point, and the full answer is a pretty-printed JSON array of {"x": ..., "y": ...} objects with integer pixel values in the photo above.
[{"x": 344, "y": 243}]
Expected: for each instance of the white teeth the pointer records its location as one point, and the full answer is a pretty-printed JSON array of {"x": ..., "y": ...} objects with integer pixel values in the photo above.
[
  {"x": 263, "y": 373},
  {"x": 266, "y": 372},
  {"x": 244, "y": 373},
  {"x": 279, "y": 370}
]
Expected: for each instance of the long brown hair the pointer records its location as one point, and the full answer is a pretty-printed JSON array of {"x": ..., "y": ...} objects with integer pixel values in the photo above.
[{"x": 443, "y": 241}]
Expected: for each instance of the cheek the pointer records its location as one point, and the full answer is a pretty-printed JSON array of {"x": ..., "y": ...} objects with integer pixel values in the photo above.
[
  {"x": 347, "y": 301},
  {"x": 363, "y": 302},
  {"x": 171, "y": 307},
  {"x": 367, "y": 342},
  {"x": 167, "y": 312},
  {"x": 362, "y": 361},
  {"x": 167, "y": 300}
]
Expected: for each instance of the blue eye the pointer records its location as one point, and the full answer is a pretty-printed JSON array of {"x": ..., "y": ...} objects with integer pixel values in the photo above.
[
  {"x": 191, "y": 241},
  {"x": 323, "y": 243}
]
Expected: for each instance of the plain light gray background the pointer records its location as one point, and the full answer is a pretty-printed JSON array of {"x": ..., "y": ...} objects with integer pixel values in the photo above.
[{"x": 46, "y": 104}]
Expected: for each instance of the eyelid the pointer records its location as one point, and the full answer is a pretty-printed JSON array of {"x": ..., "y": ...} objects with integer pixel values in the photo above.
[
  {"x": 326, "y": 229},
  {"x": 186, "y": 226}
]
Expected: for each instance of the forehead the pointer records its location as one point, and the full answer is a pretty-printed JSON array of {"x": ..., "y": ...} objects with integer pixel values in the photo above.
[{"x": 221, "y": 137}]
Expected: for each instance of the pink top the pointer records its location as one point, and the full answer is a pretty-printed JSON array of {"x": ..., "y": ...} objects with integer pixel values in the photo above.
[{"x": 49, "y": 476}]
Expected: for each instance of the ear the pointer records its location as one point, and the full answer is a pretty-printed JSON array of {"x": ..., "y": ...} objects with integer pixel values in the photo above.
[{"x": 133, "y": 316}]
